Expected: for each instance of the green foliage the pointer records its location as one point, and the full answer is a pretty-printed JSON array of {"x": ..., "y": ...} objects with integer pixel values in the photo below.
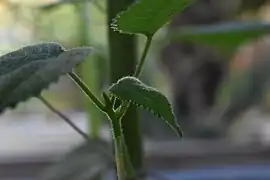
[
  {"x": 28, "y": 54},
  {"x": 226, "y": 37},
  {"x": 28, "y": 71},
  {"x": 132, "y": 89},
  {"x": 147, "y": 16}
]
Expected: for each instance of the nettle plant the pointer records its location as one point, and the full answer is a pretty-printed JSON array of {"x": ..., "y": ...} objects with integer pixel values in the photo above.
[{"x": 26, "y": 72}]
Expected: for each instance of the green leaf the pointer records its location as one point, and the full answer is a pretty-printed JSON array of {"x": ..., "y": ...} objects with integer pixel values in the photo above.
[
  {"x": 132, "y": 89},
  {"x": 85, "y": 162},
  {"x": 28, "y": 54},
  {"x": 25, "y": 76},
  {"x": 147, "y": 16},
  {"x": 226, "y": 37}
]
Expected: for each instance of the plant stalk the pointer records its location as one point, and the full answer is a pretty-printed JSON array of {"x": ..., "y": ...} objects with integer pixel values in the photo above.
[
  {"x": 125, "y": 105},
  {"x": 87, "y": 91},
  {"x": 122, "y": 171},
  {"x": 122, "y": 53},
  {"x": 143, "y": 57}
]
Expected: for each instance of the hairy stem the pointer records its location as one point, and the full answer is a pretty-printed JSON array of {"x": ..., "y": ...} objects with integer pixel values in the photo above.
[
  {"x": 119, "y": 158},
  {"x": 87, "y": 91},
  {"x": 121, "y": 48},
  {"x": 125, "y": 105},
  {"x": 124, "y": 165},
  {"x": 118, "y": 144},
  {"x": 143, "y": 57}
]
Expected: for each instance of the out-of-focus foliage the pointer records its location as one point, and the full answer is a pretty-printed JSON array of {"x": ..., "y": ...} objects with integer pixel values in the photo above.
[
  {"x": 66, "y": 15},
  {"x": 226, "y": 37},
  {"x": 87, "y": 161}
]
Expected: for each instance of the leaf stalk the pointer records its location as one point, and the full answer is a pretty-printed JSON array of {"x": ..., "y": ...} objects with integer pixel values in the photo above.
[{"x": 87, "y": 91}]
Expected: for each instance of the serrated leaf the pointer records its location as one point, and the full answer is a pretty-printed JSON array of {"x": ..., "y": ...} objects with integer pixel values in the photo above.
[
  {"x": 28, "y": 79},
  {"x": 15, "y": 59},
  {"x": 132, "y": 89},
  {"x": 85, "y": 162},
  {"x": 147, "y": 16},
  {"x": 226, "y": 37}
]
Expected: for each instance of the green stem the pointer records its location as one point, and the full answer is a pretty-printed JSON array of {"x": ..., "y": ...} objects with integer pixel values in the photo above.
[
  {"x": 121, "y": 154},
  {"x": 143, "y": 58},
  {"x": 121, "y": 48},
  {"x": 123, "y": 109},
  {"x": 124, "y": 165},
  {"x": 124, "y": 106},
  {"x": 87, "y": 91},
  {"x": 118, "y": 145},
  {"x": 119, "y": 158},
  {"x": 119, "y": 140}
]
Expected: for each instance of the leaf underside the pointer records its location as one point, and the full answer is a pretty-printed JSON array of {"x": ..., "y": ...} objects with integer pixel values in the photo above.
[
  {"x": 147, "y": 16},
  {"x": 24, "y": 73},
  {"x": 132, "y": 89},
  {"x": 226, "y": 37}
]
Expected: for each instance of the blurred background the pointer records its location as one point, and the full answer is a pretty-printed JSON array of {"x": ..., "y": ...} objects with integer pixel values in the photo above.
[{"x": 189, "y": 74}]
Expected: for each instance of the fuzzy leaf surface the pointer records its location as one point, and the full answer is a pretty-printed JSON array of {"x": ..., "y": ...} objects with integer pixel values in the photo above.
[
  {"x": 142, "y": 95},
  {"x": 25, "y": 55},
  {"x": 148, "y": 16},
  {"x": 27, "y": 71}
]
